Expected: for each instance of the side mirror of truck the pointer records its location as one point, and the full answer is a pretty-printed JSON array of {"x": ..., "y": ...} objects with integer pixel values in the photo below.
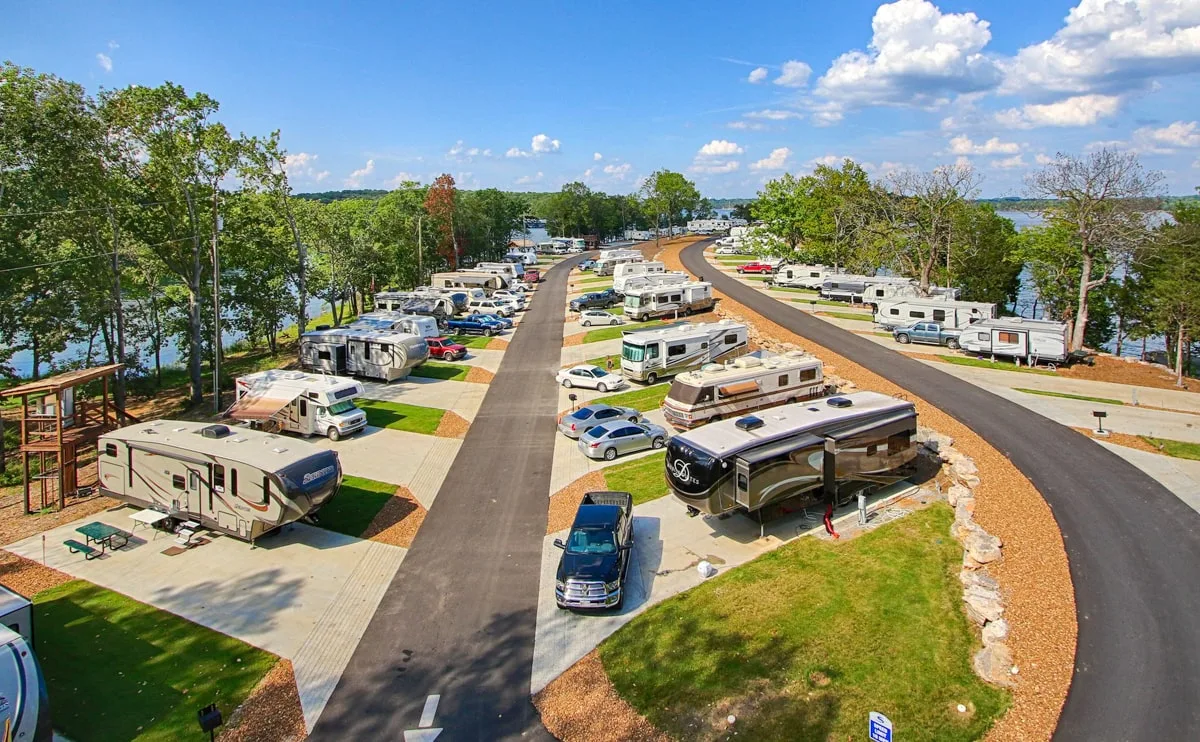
[
  {"x": 558, "y": 543},
  {"x": 626, "y": 547}
]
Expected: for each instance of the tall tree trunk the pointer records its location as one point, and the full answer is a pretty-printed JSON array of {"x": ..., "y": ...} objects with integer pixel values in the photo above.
[
  {"x": 33, "y": 349},
  {"x": 301, "y": 269},
  {"x": 1120, "y": 331},
  {"x": 119, "y": 313},
  {"x": 1179, "y": 357},
  {"x": 1081, "y": 312}
]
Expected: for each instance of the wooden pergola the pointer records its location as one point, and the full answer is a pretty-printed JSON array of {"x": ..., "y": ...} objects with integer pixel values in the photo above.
[{"x": 57, "y": 426}]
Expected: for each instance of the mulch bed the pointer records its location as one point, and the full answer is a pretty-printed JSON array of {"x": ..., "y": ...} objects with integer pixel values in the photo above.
[
  {"x": 1121, "y": 439},
  {"x": 27, "y": 577},
  {"x": 479, "y": 375},
  {"x": 565, "y": 502},
  {"x": 576, "y": 339},
  {"x": 581, "y": 704},
  {"x": 272, "y": 713},
  {"x": 452, "y": 425},
  {"x": 16, "y": 525},
  {"x": 1112, "y": 369},
  {"x": 398, "y": 521},
  {"x": 497, "y": 344}
]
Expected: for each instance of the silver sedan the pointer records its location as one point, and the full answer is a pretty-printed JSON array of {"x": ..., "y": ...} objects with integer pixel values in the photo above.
[
  {"x": 610, "y": 440},
  {"x": 589, "y": 416}
]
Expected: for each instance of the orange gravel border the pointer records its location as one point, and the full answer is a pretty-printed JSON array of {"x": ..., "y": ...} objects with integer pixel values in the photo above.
[
  {"x": 479, "y": 375},
  {"x": 497, "y": 344},
  {"x": 452, "y": 425},
  {"x": 565, "y": 502},
  {"x": 576, "y": 339},
  {"x": 1034, "y": 574},
  {"x": 582, "y": 704},
  {"x": 398, "y": 521},
  {"x": 27, "y": 577},
  {"x": 1121, "y": 439},
  {"x": 272, "y": 713}
]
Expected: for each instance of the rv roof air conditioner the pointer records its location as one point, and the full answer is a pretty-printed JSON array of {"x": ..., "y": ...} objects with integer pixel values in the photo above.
[
  {"x": 215, "y": 431},
  {"x": 839, "y": 402},
  {"x": 749, "y": 423},
  {"x": 321, "y": 327}
]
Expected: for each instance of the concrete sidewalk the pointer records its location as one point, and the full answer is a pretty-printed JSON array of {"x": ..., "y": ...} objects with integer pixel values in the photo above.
[{"x": 418, "y": 462}]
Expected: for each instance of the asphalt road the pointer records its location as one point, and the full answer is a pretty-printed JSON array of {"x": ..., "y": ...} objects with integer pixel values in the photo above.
[
  {"x": 458, "y": 619},
  {"x": 1133, "y": 546}
]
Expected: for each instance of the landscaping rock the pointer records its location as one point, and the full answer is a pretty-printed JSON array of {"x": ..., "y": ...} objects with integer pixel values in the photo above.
[
  {"x": 964, "y": 509},
  {"x": 933, "y": 440},
  {"x": 956, "y": 492},
  {"x": 995, "y": 632},
  {"x": 982, "y": 547},
  {"x": 993, "y": 663},
  {"x": 970, "y": 577},
  {"x": 961, "y": 529},
  {"x": 983, "y": 605}
]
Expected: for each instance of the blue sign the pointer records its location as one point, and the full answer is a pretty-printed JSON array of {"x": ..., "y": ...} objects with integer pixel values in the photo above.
[{"x": 879, "y": 727}]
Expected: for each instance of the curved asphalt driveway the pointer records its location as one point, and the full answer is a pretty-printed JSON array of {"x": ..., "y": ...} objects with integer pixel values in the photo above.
[
  {"x": 1134, "y": 548},
  {"x": 458, "y": 620}
]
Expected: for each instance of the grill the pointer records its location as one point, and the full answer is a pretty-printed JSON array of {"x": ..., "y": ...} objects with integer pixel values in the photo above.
[{"x": 588, "y": 594}]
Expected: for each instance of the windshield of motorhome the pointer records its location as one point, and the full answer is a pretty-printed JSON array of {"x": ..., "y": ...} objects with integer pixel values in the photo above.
[
  {"x": 631, "y": 352},
  {"x": 340, "y": 408},
  {"x": 633, "y": 302}
]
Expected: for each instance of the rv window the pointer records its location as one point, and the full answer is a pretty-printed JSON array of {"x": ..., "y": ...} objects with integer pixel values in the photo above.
[
  {"x": 783, "y": 379},
  {"x": 218, "y": 477},
  {"x": 893, "y": 311},
  {"x": 898, "y": 443},
  {"x": 303, "y": 407},
  {"x": 731, "y": 338},
  {"x": 743, "y": 484},
  {"x": 233, "y": 482},
  {"x": 110, "y": 449},
  {"x": 704, "y": 345},
  {"x": 676, "y": 297},
  {"x": 916, "y": 315},
  {"x": 872, "y": 449},
  {"x": 808, "y": 374},
  {"x": 1009, "y": 337},
  {"x": 324, "y": 355},
  {"x": 939, "y": 315},
  {"x": 981, "y": 336},
  {"x": 676, "y": 350},
  {"x": 177, "y": 482},
  {"x": 266, "y": 491},
  {"x": 651, "y": 351}
]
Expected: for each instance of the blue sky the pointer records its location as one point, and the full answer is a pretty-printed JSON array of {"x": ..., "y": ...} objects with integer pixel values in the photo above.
[{"x": 528, "y": 96}]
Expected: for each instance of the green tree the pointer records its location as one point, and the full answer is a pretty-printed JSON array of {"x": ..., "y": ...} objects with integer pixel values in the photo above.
[
  {"x": 666, "y": 196},
  {"x": 785, "y": 208},
  {"x": 979, "y": 259},
  {"x": 1175, "y": 283}
]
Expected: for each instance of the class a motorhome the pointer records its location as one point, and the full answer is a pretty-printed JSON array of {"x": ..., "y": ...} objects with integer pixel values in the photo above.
[
  {"x": 24, "y": 700},
  {"x": 650, "y": 355},
  {"x": 624, "y": 271},
  {"x": 852, "y": 288},
  {"x": 679, "y": 300},
  {"x": 803, "y": 276},
  {"x": 819, "y": 451},
  {"x": 296, "y": 402},
  {"x": 413, "y": 324},
  {"x": 242, "y": 482},
  {"x": 750, "y": 382},
  {"x": 468, "y": 279},
  {"x": 953, "y": 315},
  {"x": 1032, "y": 340},
  {"x": 606, "y": 266},
  {"x": 386, "y": 355},
  {"x": 635, "y": 282}
]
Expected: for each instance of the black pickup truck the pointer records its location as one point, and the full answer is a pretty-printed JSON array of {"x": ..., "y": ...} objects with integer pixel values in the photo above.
[
  {"x": 595, "y": 560},
  {"x": 596, "y": 300}
]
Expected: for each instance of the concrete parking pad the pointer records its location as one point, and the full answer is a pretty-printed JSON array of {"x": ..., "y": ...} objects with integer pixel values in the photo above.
[
  {"x": 667, "y": 547},
  {"x": 570, "y": 463},
  {"x": 418, "y": 462},
  {"x": 461, "y": 397},
  {"x": 305, "y": 593},
  {"x": 487, "y": 359}
]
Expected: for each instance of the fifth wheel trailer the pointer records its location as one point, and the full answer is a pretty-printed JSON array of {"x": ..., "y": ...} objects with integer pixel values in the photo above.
[
  {"x": 24, "y": 702},
  {"x": 820, "y": 451},
  {"x": 386, "y": 355},
  {"x": 242, "y": 482},
  {"x": 1032, "y": 340},
  {"x": 954, "y": 315}
]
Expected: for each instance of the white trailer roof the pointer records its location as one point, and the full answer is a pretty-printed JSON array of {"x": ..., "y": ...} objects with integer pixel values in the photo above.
[
  {"x": 1021, "y": 323},
  {"x": 749, "y": 366},
  {"x": 680, "y": 331},
  {"x": 266, "y": 451}
]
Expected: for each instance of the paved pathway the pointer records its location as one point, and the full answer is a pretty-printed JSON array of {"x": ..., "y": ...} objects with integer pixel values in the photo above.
[
  {"x": 1129, "y": 540},
  {"x": 459, "y": 620}
]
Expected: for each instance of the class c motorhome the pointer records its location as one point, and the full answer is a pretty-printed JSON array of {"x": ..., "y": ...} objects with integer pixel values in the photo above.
[
  {"x": 386, "y": 355},
  {"x": 953, "y": 315},
  {"x": 820, "y": 451},
  {"x": 624, "y": 271},
  {"x": 650, "y": 355},
  {"x": 750, "y": 382},
  {"x": 242, "y": 482},
  {"x": 679, "y": 300},
  {"x": 1032, "y": 340},
  {"x": 296, "y": 402},
  {"x": 634, "y": 283},
  {"x": 605, "y": 266}
]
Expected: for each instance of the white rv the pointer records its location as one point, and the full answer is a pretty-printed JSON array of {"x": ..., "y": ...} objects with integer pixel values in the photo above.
[
  {"x": 1033, "y": 340},
  {"x": 617, "y": 252},
  {"x": 635, "y": 283},
  {"x": 641, "y": 235},
  {"x": 242, "y": 482},
  {"x": 623, "y": 271},
  {"x": 524, "y": 256},
  {"x": 953, "y": 315},
  {"x": 25, "y": 711},
  {"x": 510, "y": 271},
  {"x": 426, "y": 303},
  {"x": 606, "y": 266},
  {"x": 296, "y": 402},
  {"x": 892, "y": 291},
  {"x": 708, "y": 226},
  {"x": 682, "y": 299},
  {"x": 852, "y": 288},
  {"x": 755, "y": 380},
  {"x": 804, "y": 276},
  {"x": 413, "y": 324},
  {"x": 377, "y": 354},
  {"x": 468, "y": 279},
  {"x": 650, "y": 355},
  {"x": 547, "y": 248}
]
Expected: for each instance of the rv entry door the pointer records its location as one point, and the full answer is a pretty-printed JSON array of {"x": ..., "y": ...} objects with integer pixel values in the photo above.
[
  {"x": 200, "y": 495},
  {"x": 742, "y": 487}
]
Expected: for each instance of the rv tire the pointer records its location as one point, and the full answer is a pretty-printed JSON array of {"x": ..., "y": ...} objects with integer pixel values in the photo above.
[
  {"x": 952, "y": 344},
  {"x": 333, "y": 434},
  {"x": 658, "y": 442},
  {"x": 610, "y": 454},
  {"x": 651, "y": 377},
  {"x": 902, "y": 339}
]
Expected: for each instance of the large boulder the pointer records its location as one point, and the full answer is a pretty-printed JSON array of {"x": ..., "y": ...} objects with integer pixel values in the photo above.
[
  {"x": 955, "y": 493},
  {"x": 981, "y": 546},
  {"x": 994, "y": 664},
  {"x": 983, "y": 605},
  {"x": 964, "y": 508},
  {"x": 995, "y": 632},
  {"x": 969, "y": 577}
]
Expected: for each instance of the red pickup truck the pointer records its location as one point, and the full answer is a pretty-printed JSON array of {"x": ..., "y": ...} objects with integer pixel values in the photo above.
[
  {"x": 446, "y": 349},
  {"x": 532, "y": 275},
  {"x": 756, "y": 268}
]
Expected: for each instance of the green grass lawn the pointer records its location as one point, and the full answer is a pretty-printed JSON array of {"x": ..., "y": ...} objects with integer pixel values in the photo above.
[
  {"x": 119, "y": 669},
  {"x": 594, "y": 279},
  {"x": 822, "y": 302},
  {"x": 640, "y": 397},
  {"x": 850, "y": 316},
  {"x": 398, "y": 416},
  {"x": 355, "y": 505},
  {"x": 755, "y": 277},
  {"x": 614, "y": 332},
  {"x": 998, "y": 365},
  {"x": 735, "y": 260},
  {"x": 602, "y": 360},
  {"x": 444, "y": 371},
  {"x": 643, "y": 478},
  {"x": 803, "y": 642},
  {"x": 809, "y": 292},
  {"x": 472, "y": 341},
  {"x": 1178, "y": 449},
  {"x": 1080, "y": 397}
]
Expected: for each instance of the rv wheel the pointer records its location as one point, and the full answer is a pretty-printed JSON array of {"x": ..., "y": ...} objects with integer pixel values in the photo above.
[
  {"x": 610, "y": 454},
  {"x": 952, "y": 344},
  {"x": 658, "y": 442},
  {"x": 333, "y": 434},
  {"x": 687, "y": 312},
  {"x": 651, "y": 377},
  {"x": 902, "y": 339}
]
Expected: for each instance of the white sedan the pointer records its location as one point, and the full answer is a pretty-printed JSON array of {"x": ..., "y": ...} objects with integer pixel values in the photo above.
[
  {"x": 590, "y": 377},
  {"x": 590, "y": 317}
]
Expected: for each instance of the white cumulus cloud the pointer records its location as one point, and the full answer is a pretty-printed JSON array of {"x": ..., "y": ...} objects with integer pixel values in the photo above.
[
  {"x": 516, "y": 152},
  {"x": 777, "y": 160},
  {"x": 826, "y": 160},
  {"x": 1179, "y": 135},
  {"x": 355, "y": 179},
  {"x": 757, "y": 75},
  {"x": 597, "y": 156},
  {"x": 1009, "y": 163},
  {"x": 402, "y": 178},
  {"x": 792, "y": 75},
  {"x": 962, "y": 145},
  {"x": 1081, "y": 110},
  {"x": 105, "y": 61},
  {"x": 543, "y": 144},
  {"x": 527, "y": 179},
  {"x": 618, "y": 172},
  {"x": 303, "y": 166},
  {"x": 720, "y": 148},
  {"x": 1042, "y": 158},
  {"x": 771, "y": 114},
  {"x": 715, "y": 167}
]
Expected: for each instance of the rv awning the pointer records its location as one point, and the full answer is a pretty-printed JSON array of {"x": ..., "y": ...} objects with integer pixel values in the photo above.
[
  {"x": 741, "y": 387},
  {"x": 260, "y": 405}
]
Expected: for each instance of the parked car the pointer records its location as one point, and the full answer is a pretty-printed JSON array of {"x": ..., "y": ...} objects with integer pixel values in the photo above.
[
  {"x": 510, "y": 296},
  {"x": 532, "y": 275},
  {"x": 574, "y": 250},
  {"x": 504, "y": 323},
  {"x": 609, "y": 440},
  {"x": 596, "y": 555},
  {"x": 446, "y": 349},
  {"x": 587, "y": 417},
  {"x": 490, "y": 306},
  {"x": 756, "y": 268},
  {"x": 930, "y": 333},
  {"x": 590, "y": 377},
  {"x": 519, "y": 286},
  {"x": 467, "y": 326},
  {"x": 596, "y": 300},
  {"x": 587, "y": 265},
  {"x": 589, "y": 317}
]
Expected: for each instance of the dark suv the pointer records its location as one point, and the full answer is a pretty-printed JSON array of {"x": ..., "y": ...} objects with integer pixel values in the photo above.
[{"x": 596, "y": 300}]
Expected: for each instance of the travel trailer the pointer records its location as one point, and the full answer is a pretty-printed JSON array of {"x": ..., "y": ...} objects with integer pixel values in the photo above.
[
  {"x": 607, "y": 265},
  {"x": 892, "y": 291},
  {"x": 468, "y": 279},
  {"x": 508, "y": 270},
  {"x": 650, "y": 355},
  {"x": 242, "y": 482},
  {"x": 419, "y": 302},
  {"x": 547, "y": 248},
  {"x": 949, "y": 314},
  {"x": 708, "y": 226},
  {"x": 634, "y": 283},
  {"x": 682, "y": 299},
  {"x": 619, "y": 252},
  {"x": 755, "y": 380},
  {"x": 1032, "y": 340},
  {"x": 624, "y": 271},
  {"x": 25, "y": 712},
  {"x": 523, "y": 256},
  {"x": 386, "y": 355},
  {"x": 853, "y": 288},
  {"x": 413, "y": 324},
  {"x": 803, "y": 276},
  {"x": 820, "y": 451},
  {"x": 295, "y": 402}
]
